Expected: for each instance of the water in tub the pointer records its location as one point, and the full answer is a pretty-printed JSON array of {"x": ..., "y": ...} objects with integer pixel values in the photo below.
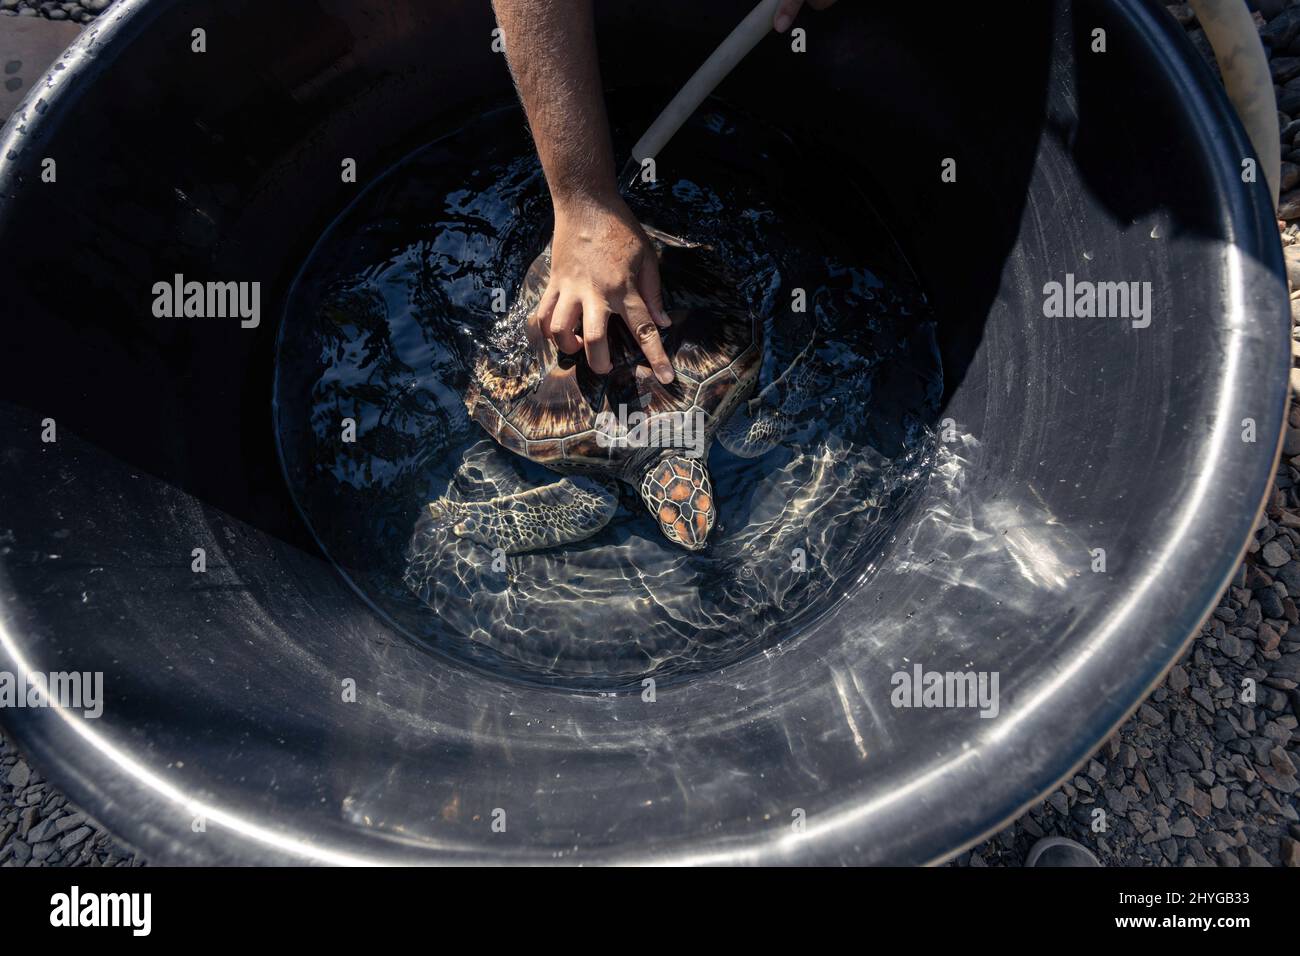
[{"x": 394, "y": 303}]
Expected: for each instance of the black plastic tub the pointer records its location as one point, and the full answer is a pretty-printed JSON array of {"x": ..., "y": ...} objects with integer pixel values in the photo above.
[{"x": 1067, "y": 437}]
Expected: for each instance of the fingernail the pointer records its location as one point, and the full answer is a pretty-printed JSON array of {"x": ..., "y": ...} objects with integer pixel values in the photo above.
[
  {"x": 663, "y": 320},
  {"x": 665, "y": 376},
  {"x": 783, "y": 22}
]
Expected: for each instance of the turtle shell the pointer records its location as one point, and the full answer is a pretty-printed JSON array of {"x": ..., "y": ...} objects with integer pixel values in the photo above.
[{"x": 548, "y": 406}]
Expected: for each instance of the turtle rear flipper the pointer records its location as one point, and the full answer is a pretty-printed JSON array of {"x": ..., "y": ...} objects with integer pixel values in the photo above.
[{"x": 571, "y": 509}]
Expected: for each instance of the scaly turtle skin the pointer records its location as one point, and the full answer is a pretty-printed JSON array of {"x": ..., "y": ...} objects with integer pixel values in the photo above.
[{"x": 552, "y": 409}]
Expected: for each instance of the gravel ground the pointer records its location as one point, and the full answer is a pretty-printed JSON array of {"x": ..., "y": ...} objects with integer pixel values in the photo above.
[
  {"x": 80, "y": 12},
  {"x": 38, "y": 827},
  {"x": 1197, "y": 777}
]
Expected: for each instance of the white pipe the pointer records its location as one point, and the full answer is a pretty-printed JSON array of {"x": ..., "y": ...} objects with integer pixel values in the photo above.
[
  {"x": 1231, "y": 31},
  {"x": 706, "y": 79}
]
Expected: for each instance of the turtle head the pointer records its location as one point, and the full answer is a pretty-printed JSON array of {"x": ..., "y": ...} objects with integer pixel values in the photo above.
[{"x": 679, "y": 494}]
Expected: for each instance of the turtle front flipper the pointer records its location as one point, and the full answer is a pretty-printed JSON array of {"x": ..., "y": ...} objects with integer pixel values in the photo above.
[
  {"x": 571, "y": 509},
  {"x": 758, "y": 425},
  {"x": 752, "y": 435}
]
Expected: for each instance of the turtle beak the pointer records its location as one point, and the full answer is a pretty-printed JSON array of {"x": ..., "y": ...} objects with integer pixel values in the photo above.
[{"x": 679, "y": 494}]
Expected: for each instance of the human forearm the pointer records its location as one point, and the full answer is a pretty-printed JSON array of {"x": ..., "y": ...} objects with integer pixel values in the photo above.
[{"x": 551, "y": 49}]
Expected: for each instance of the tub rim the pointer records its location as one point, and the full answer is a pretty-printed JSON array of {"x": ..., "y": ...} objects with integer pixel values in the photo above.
[{"x": 120, "y": 791}]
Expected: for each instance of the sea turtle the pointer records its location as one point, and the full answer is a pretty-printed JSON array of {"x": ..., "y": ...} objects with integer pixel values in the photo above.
[{"x": 597, "y": 430}]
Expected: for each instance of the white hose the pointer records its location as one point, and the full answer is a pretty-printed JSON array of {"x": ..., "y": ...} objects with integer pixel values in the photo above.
[
  {"x": 1230, "y": 28},
  {"x": 706, "y": 79}
]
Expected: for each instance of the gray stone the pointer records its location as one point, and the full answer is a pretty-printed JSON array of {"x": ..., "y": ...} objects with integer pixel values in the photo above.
[
  {"x": 19, "y": 774},
  {"x": 1287, "y": 666},
  {"x": 1281, "y": 761},
  {"x": 74, "y": 838},
  {"x": 1270, "y": 604},
  {"x": 70, "y": 821},
  {"x": 1117, "y": 802},
  {"x": 1177, "y": 679},
  {"x": 1223, "y": 731},
  {"x": 43, "y": 830},
  {"x": 1268, "y": 637},
  {"x": 1253, "y": 616},
  {"x": 26, "y": 821},
  {"x": 1274, "y": 554},
  {"x": 1268, "y": 9},
  {"x": 1289, "y": 573},
  {"x": 1282, "y": 783},
  {"x": 1284, "y": 68},
  {"x": 1278, "y": 33},
  {"x": 1252, "y": 857},
  {"x": 1183, "y": 757},
  {"x": 1290, "y": 852}
]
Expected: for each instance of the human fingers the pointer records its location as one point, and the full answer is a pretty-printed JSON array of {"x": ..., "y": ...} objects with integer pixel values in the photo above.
[{"x": 646, "y": 333}]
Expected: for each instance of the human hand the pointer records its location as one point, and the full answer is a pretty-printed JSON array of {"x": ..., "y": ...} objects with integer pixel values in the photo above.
[
  {"x": 603, "y": 264},
  {"x": 789, "y": 9}
]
